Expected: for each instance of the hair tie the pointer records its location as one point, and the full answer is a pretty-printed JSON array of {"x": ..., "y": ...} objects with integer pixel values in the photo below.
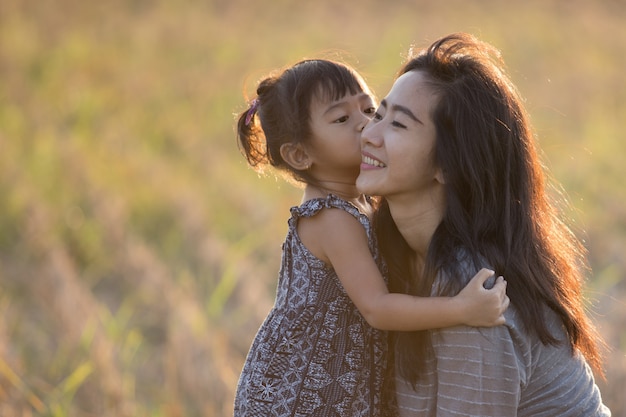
[{"x": 254, "y": 105}]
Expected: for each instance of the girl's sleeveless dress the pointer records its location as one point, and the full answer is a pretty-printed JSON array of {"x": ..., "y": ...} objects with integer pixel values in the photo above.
[{"x": 314, "y": 355}]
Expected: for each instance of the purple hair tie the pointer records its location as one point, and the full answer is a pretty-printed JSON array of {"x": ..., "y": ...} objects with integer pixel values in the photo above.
[{"x": 254, "y": 105}]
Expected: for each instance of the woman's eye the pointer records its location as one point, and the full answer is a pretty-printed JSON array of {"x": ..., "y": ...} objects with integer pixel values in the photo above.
[
  {"x": 398, "y": 125},
  {"x": 377, "y": 116}
]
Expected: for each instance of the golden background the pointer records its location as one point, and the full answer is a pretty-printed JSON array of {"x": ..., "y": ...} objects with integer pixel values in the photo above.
[{"x": 138, "y": 253}]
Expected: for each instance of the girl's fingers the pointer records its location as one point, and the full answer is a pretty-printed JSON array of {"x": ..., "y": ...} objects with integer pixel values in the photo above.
[{"x": 483, "y": 275}]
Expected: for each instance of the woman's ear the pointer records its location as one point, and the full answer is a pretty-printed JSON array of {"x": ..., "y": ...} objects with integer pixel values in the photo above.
[{"x": 296, "y": 156}]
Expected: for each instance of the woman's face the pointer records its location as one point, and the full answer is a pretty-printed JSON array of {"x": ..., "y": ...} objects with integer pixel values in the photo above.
[{"x": 397, "y": 145}]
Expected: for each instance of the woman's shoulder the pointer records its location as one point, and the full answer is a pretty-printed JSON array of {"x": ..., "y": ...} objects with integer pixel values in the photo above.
[{"x": 458, "y": 270}]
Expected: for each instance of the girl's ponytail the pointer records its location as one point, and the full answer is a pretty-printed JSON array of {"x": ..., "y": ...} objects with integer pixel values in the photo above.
[{"x": 252, "y": 141}]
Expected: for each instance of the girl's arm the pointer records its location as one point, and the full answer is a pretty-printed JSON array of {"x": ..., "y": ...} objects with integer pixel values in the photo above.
[{"x": 339, "y": 239}]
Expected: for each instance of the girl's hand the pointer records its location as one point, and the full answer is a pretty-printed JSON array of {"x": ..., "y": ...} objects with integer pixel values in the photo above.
[{"x": 483, "y": 307}]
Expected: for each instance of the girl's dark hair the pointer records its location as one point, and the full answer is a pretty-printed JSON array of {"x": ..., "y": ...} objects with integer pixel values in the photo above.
[
  {"x": 498, "y": 208},
  {"x": 282, "y": 113}
]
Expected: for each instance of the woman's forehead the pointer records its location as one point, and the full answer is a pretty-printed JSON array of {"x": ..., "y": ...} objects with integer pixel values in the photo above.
[{"x": 412, "y": 90}]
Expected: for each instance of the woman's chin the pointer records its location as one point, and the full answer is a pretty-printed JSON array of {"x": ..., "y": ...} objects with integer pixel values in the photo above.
[{"x": 365, "y": 185}]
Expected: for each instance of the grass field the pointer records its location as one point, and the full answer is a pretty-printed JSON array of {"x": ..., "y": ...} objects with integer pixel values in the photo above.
[{"x": 138, "y": 253}]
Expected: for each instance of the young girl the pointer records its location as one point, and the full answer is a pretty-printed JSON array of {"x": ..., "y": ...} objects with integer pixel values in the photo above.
[{"x": 321, "y": 350}]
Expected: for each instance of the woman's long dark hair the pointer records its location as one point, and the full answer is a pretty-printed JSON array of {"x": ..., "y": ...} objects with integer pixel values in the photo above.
[{"x": 498, "y": 208}]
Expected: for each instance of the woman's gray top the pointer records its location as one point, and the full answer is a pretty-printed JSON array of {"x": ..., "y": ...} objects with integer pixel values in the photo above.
[{"x": 502, "y": 371}]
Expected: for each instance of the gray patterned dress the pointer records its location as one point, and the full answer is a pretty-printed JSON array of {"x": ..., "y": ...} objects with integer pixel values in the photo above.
[{"x": 314, "y": 355}]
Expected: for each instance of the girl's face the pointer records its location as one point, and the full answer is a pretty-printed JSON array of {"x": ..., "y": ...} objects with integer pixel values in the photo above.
[
  {"x": 398, "y": 143},
  {"x": 336, "y": 132}
]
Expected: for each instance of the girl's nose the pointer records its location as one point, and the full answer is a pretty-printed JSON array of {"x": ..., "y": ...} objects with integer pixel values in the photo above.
[
  {"x": 370, "y": 135},
  {"x": 362, "y": 124}
]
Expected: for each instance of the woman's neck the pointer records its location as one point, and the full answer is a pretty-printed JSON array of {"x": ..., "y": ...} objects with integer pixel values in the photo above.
[{"x": 417, "y": 220}]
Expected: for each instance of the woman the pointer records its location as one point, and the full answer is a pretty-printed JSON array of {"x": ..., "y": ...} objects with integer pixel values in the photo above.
[{"x": 452, "y": 152}]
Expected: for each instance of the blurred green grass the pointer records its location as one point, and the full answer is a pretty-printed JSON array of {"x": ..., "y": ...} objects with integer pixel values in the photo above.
[{"x": 138, "y": 253}]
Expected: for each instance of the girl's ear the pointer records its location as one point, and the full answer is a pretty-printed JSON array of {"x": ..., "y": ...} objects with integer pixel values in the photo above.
[{"x": 296, "y": 156}]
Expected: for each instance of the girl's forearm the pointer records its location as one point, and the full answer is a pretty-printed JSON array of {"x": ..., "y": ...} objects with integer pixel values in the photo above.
[{"x": 402, "y": 312}]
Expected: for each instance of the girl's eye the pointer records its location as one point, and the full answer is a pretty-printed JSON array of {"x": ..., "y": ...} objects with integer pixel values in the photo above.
[
  {"x": 370, "y": 110},
  {"x": 341, "y": 119}
]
